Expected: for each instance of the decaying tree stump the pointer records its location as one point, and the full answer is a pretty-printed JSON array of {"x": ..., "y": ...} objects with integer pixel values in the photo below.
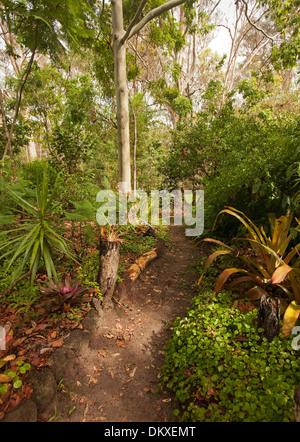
[
  {"x": 108, "y": 269},
  {"x": 297, "y": 404},
  {"x": 268, "y": 317}
]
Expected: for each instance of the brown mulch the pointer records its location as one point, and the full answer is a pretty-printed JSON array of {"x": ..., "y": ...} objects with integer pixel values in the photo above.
[{"x": 116, "y": 379}]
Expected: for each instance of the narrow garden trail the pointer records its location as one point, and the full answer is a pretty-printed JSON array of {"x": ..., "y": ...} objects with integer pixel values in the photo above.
[{"x": 116, "y": 379}]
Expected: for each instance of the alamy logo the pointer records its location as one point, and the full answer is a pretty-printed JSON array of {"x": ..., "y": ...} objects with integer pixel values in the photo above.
[
  {"x": 296, "y": 339},
  {"x": 2, "y": 338},
  {"x": 187, "y": 207}
]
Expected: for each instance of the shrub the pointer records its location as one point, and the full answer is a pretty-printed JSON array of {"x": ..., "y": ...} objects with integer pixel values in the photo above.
[
  {"x": 266, "y": 263},
  {"x": 35, "y": 236}
]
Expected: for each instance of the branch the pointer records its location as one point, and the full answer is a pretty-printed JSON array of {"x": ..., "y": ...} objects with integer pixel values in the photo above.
[
  {"x": 19, "y": 94},
  {"x": 228, "y": 29},
  {"x": 4, "y": 122},
  {"x": 107, "y": 120},
  {"x": 13, "y": 284},
  {"x": 214, "y": 8},
  {"x": 260, "y": 45},
  {"x": 130, "y": 45},
  {"x": 151, "y": 15},
  {"x": 134, "y": 20},
  {"x": 252, "y": 24}
]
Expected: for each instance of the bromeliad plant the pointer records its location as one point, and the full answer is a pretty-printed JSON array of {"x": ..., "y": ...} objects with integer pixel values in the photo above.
[
  {"x": 65, "y": 293},
  {"x": 266, "y": 264},
  {"x": 286, "y": 272},
  {"x": 34, "y": 238},
  {"x": 112, "y": 233}
]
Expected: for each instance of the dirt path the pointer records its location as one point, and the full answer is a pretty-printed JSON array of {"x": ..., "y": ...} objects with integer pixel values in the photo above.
[{"x": 116, "y": 379}]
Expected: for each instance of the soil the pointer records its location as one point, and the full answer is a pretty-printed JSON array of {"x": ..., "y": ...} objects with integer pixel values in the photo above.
[{"x": 116, "y": 377}]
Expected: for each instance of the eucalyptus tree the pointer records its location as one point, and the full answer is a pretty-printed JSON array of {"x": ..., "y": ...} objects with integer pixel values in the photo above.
[
  {"x": 121, "y": 37},
  {"x": 286, "y": 18},
  {"x": 39, "y": 27}
]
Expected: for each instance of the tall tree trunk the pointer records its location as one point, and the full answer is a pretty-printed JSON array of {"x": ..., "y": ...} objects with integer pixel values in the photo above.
[
  {"x": 19, "y": 94},
  {"x": 134, "y": 146},
  {"x": 9, "y": 42},
  {"x": 32, "y": 153},
  {"x": 120, "y": 38},
  {"x": 121, "y": 95}
]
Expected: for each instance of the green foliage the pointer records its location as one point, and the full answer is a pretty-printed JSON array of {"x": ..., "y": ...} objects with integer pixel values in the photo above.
[
  {"x": 220, "y": 369},
  {"x": 167, "y": 34},
  {"x": 266, "y": 261},
  {"x": 70, "y": 148},
  {"x": 286, "y": 18},
  {"x": 34, "y": 237},
  {"x": 271, "y": 263},
  {"x": 71, "y": 141},
  {"x": 138, "y": 245},
  {"x": 88, "y": 271},
  {"x": 171, "y": 96},
  {"x": 12, "y": 375},
  {"x": 27, "y": 18},
  {"x": 22, "y": 298},
  {"x": 84, "y": 211},
  {"x": 218, "y": 150},
  {"x": 21, "y": 135}
]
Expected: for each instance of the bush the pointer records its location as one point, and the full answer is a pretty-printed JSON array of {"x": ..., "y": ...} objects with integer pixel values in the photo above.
[
  {"x": 35, "y": 237},
  {"x": 217, "y": 152},
  {"x": 220, "y": 369}
]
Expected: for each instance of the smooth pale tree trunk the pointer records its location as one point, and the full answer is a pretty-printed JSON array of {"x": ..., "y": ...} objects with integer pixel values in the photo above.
[
  {"x": 121, "y": 95},
  {"x": 32, "y": 153},
  {"x": 134, "y": 146},
  {"x": 120, "y": 38}
]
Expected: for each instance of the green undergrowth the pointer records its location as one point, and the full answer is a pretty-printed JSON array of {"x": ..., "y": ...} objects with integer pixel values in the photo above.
[
  {"x": 220, "y": 369},
  {"x": 135, "y": 244}
]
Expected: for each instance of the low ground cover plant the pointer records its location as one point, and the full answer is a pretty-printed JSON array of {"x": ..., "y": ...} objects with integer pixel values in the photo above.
[{"x": 221, "y": 369}]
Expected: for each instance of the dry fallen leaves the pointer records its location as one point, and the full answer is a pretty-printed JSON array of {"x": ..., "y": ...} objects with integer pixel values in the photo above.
[
  {"x": 92, "y": 380},
  {"x": 120, "y": 343},
  {"x": 85, "y": 413},
  {"x": 133, "y": 372},
  {"x": 101, "y": 353},
  {"x": 18, "y": 342},
  {"x": 58, "y": 343}
]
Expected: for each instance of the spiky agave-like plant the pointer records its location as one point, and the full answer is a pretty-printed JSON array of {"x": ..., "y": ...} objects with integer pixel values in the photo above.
[{"x": 35, "y": 238}]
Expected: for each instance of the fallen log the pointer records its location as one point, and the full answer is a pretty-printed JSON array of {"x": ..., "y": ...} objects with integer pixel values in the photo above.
[{"x": 126, "y": 286}]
